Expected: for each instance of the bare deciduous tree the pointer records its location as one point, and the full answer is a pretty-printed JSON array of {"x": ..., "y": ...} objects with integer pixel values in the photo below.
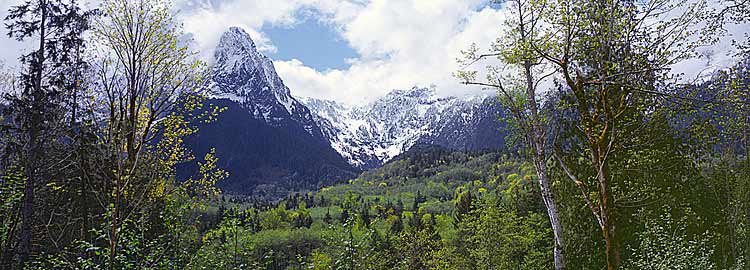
[{"x": 515, "y": 51}]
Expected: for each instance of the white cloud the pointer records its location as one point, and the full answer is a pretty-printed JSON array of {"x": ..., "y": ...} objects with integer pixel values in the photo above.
[
  {"x": 714, "y": 57},
  {"x": 208, "y": 19},
  {"x": 401, "y": 43}
]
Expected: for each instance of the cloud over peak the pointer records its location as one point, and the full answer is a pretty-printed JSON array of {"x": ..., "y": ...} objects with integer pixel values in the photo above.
[{"x": 400, "y": 43}]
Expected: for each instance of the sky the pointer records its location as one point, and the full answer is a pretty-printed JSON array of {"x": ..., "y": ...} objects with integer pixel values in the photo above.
[
  {"x": 312, "y": 42},
  {"x": 354, "y": 51}
]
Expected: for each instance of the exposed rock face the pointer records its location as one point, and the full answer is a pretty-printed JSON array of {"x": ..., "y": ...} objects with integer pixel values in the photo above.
[{"x": 368, "y": 136}]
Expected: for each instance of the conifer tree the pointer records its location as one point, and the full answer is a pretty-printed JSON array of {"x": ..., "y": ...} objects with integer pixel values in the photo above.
[{"x": 57, "y": 27}]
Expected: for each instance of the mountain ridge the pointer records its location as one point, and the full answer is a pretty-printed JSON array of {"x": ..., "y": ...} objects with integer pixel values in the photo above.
[
  {"x": 272, "y": 142},
  {"x": 372, "y": 134}
]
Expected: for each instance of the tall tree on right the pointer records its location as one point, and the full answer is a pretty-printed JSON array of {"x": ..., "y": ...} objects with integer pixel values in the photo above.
[{"x": 613, "y": 59}]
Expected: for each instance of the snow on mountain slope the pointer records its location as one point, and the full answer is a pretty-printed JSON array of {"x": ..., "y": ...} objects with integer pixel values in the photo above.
[
  {"x": 266, "y": 139},
  {"x": 368, "y": 136},
  {"x": 242, "y": 74},
  {"x": 365, "y": 136}
]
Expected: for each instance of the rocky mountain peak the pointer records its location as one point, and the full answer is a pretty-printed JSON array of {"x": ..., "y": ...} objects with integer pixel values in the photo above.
[
  {"x": 242, "y": 74},
  {"x": 366, "y": 136},
  {"x": 233, "y": 42}
]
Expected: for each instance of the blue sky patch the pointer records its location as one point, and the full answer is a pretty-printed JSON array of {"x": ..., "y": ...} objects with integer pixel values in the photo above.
[
  {"x": 311, "y": 41},
  {"x": 490, "y": 4}
]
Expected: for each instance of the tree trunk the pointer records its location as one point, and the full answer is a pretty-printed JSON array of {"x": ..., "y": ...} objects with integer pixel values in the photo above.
[
  {"x": 612, "y": 246},
  {"x": 32, "y": 150},
  {"x": 115, "y": 227},
  {"x": 746, "y": 183},
  {"x": 606, "y": 206},
  {"x": 537, "y": 143},
  {"x": 552, "y": 212},
  {"x": 27, "y": 210}
]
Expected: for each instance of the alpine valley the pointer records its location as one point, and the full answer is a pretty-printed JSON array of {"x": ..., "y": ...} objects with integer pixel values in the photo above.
[
  {"x": 149, "y": 134},
  {"x": 273, "y": 142}
]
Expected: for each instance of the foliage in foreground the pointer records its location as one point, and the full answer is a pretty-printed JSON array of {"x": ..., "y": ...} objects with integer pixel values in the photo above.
[{"x": 88, "y": 170}]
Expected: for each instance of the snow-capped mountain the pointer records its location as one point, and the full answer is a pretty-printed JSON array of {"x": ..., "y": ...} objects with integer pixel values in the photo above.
[
  {"x": 273, "y": 143},
  {"x": 242, "y": 74},
  {"x": 368, "y": 136},
  {"x": 266, "y": 139}
]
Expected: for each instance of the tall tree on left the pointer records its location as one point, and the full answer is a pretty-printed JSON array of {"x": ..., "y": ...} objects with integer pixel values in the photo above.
[{"x": 56, "y": 26}]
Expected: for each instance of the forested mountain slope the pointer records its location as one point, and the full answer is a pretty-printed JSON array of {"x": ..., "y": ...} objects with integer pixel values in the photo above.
[
  {"x": 266, "y": 139},
  {"x": 121, "y": 148},
  {"x": 273, "y": 143}
]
